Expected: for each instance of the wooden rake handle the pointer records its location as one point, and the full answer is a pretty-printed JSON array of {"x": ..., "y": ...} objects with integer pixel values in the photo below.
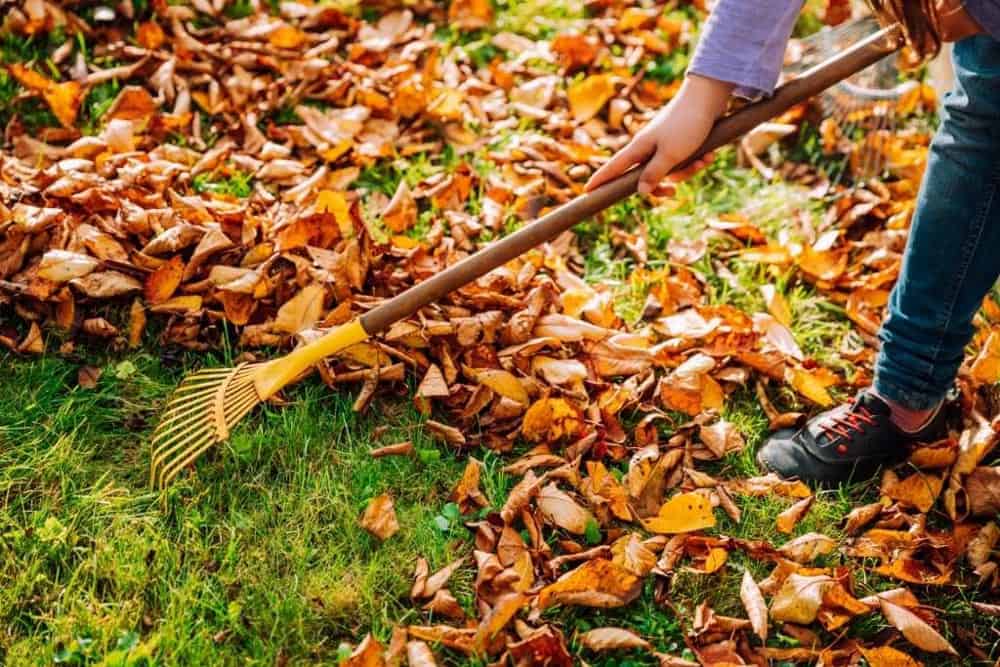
[{"x": 727, "y": 129}]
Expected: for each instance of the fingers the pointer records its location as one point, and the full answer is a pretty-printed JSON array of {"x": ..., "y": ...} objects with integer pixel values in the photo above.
[
  {"x": 654, "y": 171},
  {"x": 680, "y": 175},
  {"x": 636, "y": 151}
]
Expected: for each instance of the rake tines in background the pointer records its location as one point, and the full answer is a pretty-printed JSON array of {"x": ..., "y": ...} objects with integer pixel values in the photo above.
[
  {"x": 860, "y": 112},
  {"x": 200, "y": 413}
]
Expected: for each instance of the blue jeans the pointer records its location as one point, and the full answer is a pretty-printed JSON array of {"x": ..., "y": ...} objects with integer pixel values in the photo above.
[{"x": 953, "y": 254}]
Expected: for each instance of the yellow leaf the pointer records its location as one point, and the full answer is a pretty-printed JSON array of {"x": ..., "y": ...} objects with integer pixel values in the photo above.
[
  {"x": 301, "y": 311},
  {"x": 986, "y": 367},
  {"x": 715, "y": 560},
  {"x": 178, "y": 304},
  {"x": 550, "y": 419},
  {"x": 503, "y": 383},
  {"x": 684, "y": 513},
  {"x": 808, "y": 385},
  {"x": 287, "y": 37},
  {"x": 776, "y": 304},
  {"x": 329, "y": 201},
  {"x": 587, "y": 97}
]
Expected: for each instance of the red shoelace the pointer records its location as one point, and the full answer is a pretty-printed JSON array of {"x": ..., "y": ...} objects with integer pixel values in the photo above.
[{"x": 846, "y": 424}]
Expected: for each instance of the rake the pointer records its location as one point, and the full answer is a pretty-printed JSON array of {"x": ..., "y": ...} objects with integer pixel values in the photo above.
[{"x": 209, "y": 403}]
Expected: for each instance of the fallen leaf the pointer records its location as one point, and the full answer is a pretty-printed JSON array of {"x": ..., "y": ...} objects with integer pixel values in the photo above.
[
  {"x": 596, "y": 583},
  {"x": 88, "y": 376},
  {"x": 887, "y": 656},
  {"x": 800, "y": 598},
  {"x": 915, "y": 629},
  {"x": 754, "y": 603},
  {"x": 684, "y": 513},
  {"x": 562, "y": 511},
  {"x": 588, "y": 96},
  {"x": 788, "y": 519},
  {"x": 379, "y": 517},
  {"x": 612, "y": 639}
]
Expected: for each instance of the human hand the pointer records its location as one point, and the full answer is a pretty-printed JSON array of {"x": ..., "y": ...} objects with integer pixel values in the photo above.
[{"x": 671, "y": 137}]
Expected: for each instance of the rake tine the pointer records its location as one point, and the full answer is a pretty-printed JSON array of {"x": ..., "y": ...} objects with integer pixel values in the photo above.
[{"x": 191, "y": 453}]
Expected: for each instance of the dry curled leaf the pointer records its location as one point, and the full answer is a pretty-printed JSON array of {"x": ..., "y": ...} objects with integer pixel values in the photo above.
[
  {"x": 754, "y": 603},
  {"x": 612, "y": 639}
]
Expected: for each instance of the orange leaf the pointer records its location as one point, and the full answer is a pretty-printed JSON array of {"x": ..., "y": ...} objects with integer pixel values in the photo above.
[
  {"x": 150, "y": 35},
  {"x": 597, "y": 583},
  {"x": 64, "y": 99},
  {"x": 162, "y": 283}
]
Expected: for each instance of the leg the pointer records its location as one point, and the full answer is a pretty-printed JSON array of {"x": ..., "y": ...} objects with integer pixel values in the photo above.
[
  {"x": 952, "y": 259},
  {"x": 953, "y": 254}
]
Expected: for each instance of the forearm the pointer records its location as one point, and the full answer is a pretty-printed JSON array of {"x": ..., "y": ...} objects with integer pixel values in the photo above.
[{"x": 710, "y": 95}]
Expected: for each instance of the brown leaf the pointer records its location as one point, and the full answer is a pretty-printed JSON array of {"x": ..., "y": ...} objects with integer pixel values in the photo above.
[
  {"x": 808, "y": 547},
  {"x": 562, "y": 511},
  {"x": 788, "y": 519},
  {"x": 915, "y": 629},
  {"x": 379, "y": 517},
  {"x": 88, "y": 376},
  {"x": 612, "y": 639},
  {"x": 588, "y": 96},
  {"x": 449, "y": 434},
  {"x": 404, "y": 448},
  {"x": 859, "y": 517},
  {"x": 551, "y": 419},
  {"x": 367, "y": 654},
  {"x": 444, "y": 604},
  {"x": 722, "y": 438},
  {"x": 502, "y": 613},
  {"x": 519, "y": 497},
  {"x": 800, "y": 598},
  {"x": 418, "y": 654},
  {"x": 982, "y": 488},
  {"x": 919, "y": 491},
  {"x": 34, "y": 341},
  {"x": 433, "y": 385},
  {"x": 401, "y": 212},
  {"x": 754, "y": 603},
  {"x": 466, "y": 493},
  {"x": 302, "y": 311}
]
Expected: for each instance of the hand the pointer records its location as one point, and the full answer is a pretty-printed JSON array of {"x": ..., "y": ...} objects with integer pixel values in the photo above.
[{"x": 676, "y": 132}]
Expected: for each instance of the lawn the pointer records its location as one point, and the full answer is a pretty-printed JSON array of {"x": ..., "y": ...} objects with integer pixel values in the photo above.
[{"x": 256, "y": 554}]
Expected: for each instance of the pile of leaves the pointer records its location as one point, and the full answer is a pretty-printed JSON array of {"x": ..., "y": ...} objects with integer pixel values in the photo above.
[{"x": 172, "y": 172}]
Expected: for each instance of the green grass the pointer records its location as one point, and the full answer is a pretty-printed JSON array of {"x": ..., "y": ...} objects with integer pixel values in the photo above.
[{"x": 257, "y": 555}]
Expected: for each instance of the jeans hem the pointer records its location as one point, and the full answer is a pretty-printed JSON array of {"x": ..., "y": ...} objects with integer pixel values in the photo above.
[{"x": 912, "y": 400}]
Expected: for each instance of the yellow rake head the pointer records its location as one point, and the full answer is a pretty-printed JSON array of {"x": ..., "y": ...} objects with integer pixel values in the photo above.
[{"x": 200, "y": 413}]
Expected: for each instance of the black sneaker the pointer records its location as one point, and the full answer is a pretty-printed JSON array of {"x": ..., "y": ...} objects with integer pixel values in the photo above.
[{"x": 848, "y": 443}]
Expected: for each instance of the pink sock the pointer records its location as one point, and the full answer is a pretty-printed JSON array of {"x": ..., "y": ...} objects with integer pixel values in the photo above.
[{"x": 906, "y": 419}]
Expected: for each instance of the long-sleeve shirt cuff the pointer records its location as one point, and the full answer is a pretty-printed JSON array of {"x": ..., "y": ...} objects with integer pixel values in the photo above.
[{"x": 743, "y": 43}]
